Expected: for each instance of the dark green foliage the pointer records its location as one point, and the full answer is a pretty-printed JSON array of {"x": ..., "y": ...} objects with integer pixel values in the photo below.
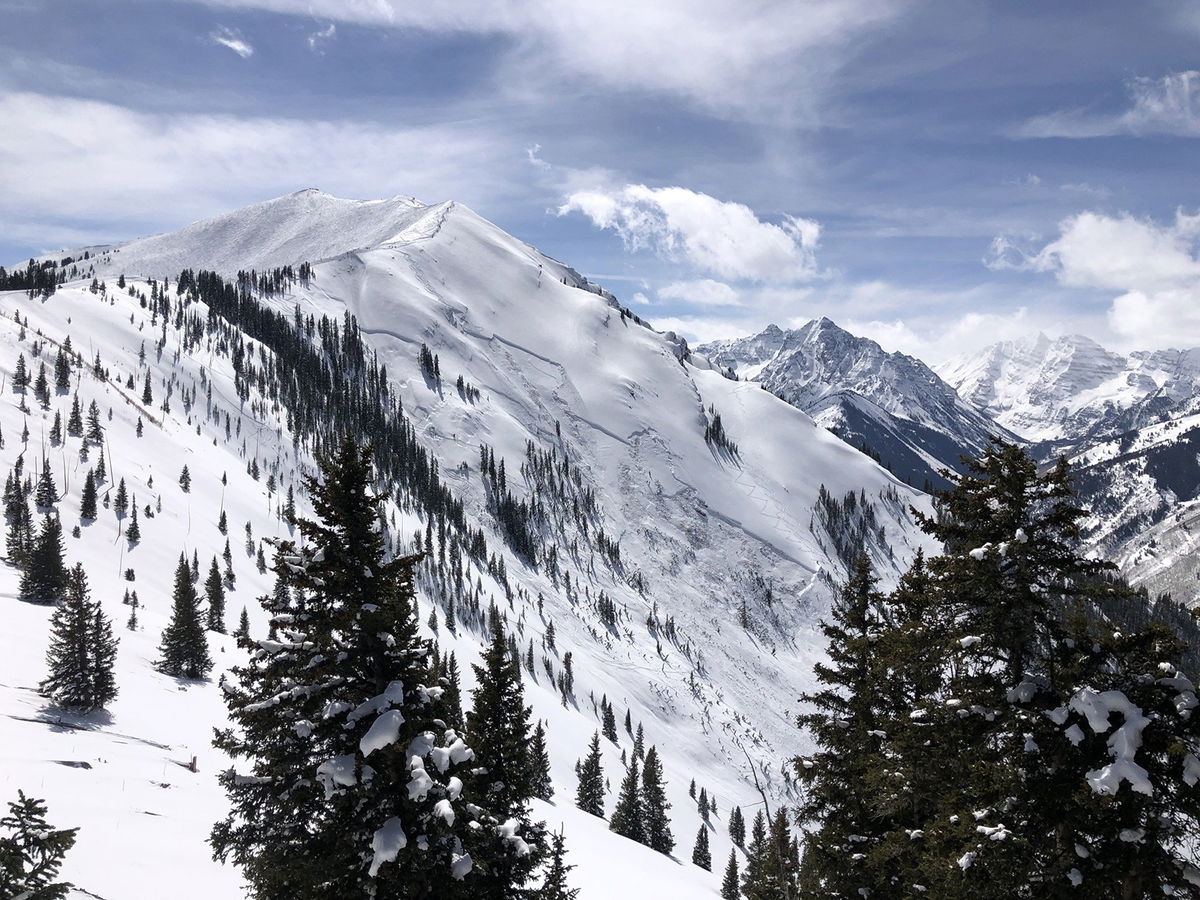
[
  {"x": 185, "y": 480},
  {"x": 87, "y": 502},
  {"x": 134, "y": 532},
  {"x": 730, "y": 888},
  {"x": 589, "y": 796},
  {"x": 31, "y": 852},
  {"x": 82, "y": 651},
  {"x": 608, "y": 721},
  {"x": 628, "y": 818},
  {"x": 44, "y": 577},
  {"x": 655, "y": 805},
  {"x": 214, "y": 592},
  {"x": 539, "y": 759},
  {"x": 183, "y": 651},
  {"x": 243, "y": 630},
  {"x": 346, "y": 683},
  {"x": 737, "y": 827},
  {"x": 46, "y": 494},
  {"x": 701, "y": 855},
  {"x": 555, "y": 886}
]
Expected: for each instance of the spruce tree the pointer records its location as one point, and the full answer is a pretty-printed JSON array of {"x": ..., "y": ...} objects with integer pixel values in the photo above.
[
  {"x": 87, "y": 502},
  {"x": 498, "y": 723},
  {"x": 539, "y": 759},
  {"x": 214, "y": 592},
  {"x": 46, "y": 494},
  {"x": 82, "y": 652},
  {"x": 701, "y": 855},
  {"x": 655, "y": 805},
  {"x": 31, "y": 852},
  {"x": 609, "y": 721},
  {"x": 183, "y": 651},
  {"x": 555, "y": 886},
  {"x": 730, "y": 887},
  {"x": 44, "y": 577},
  {"x": 352, "y": 786},
  {"x": 590, "y": 794},
  {"x": 737, "y": 827},
  {"x": 627, "y": 815}
]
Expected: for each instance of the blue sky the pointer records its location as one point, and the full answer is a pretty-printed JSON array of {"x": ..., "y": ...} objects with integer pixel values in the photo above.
[{"x": 937, "y": 175}]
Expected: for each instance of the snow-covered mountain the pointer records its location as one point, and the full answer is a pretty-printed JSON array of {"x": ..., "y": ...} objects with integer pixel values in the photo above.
[
  {"x": 728, "y": 537},
  {"x": 1070, "y": 389},
  {"x": 889, "y": 404}
]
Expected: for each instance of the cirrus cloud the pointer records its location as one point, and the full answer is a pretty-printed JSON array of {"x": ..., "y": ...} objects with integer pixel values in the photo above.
[
  {"x": 232, "y": 38},
  {"x": 1166, "y": 105}
]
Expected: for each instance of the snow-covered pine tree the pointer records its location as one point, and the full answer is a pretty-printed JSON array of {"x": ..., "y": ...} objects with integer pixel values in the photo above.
[
  {"x": 589, "y": 796},
  {"x": 508, "y": 848},
  {"x": 46, "y": 494},
  {"x": 655, "y": 805},
  {"x": 555, "y": 886},
  {"x": 701, "y": 855},
  {"x": 31, "y": 852},
  {"x": 627, "y": 818},
  {"x": 354, "y": 786},
  {"x": 183, "y": 651},
  {"x": 82, "y": 651}
]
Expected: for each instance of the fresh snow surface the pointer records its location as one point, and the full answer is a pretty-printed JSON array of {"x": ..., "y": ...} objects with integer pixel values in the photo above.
[{"x": 555, "y": 363}]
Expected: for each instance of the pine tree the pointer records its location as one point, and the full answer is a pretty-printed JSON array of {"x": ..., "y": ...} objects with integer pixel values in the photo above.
[
  {"x": 639, "y": 743},
  {"x": 147, "y": 394},
  {"x": 627, "y": 817},
  {"x": 345, "y": 688},
  {"x": 730, "y": 888},
  {"x": 62, "y": 372},
  {"x": 758, "y": 854},
  {"x": 701, "y": 855},
  {"x": 452, "y": 694},
  {"x": 87, "y": 502},
  {"x": 41, "y": 387},
  {"x": 21, "y": 374},
  {"x": 75, "y": 418},
  {"x": 539, "y": 758},
  {"x": 134, "y": 532},
  {"x": 82, "y": 652},
  {"x": 608, "y": 720},
  {"x": 590, "y": 794},
  {"x": 702, "y": 804},
  {"x": 121, "y": 500},
  {"x": 243, "y": 630},
  {"x": 555, "y": 886},
  {"x": 214, "y": 591},
  {"x": 655, "y": 805},
  {"x": 737, "y": 827},
  {"x": 185, "y": 479},
  {"x": 44, "y": 577},
  {"x": 46, "y": 494},
  {"x": 31, "y": 852},
  {"x": 498, "y": 723},
  {"x": 184, "y": 647}
]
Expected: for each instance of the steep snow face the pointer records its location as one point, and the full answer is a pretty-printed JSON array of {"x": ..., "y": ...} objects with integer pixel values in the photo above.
[
  {"x": 894, "y": 404},
  {"x": 307, "y": 226},
  {"x": 1071, "y": 388},
  {"x": 724, "y": 567}
]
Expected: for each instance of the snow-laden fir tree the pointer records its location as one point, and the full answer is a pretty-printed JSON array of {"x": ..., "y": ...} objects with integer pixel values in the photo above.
[
  {"x": 183, "y": 651},
  {"x": 627, "y": 817},
  {"x": 31, "y": 852},
  {"x": 589, "y": 796},
  {"x": 351, "y": 785},
  {"x": 44, "y": 576},
  {"x": 82, "y": 652}
]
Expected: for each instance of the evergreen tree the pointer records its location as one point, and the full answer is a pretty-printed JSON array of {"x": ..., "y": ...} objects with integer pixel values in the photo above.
[
  {"x": 539, "y": 758},
  {"x": 46, "y": 494},
  {"x": 344, "y": 691},
  {"x": 758, "y": 853},
  {"x": 62, "y": 372},
  {"x": 655, "y": 805},
  {"x": 737, "y": 827},
  {"x": 452, "y": 694},
  {"x": 243, "y": 630},
  {"x": 701, "y": 855},
  {"x": 75, "y": 418},
  {"x": 590, "y": 794},
  {"x": 87, "y": 502},
  {"x": 121, "y": 500},
  {"x": 31, "y": 852},
  {"x": 555, "y": 886},
  {"x": 730, "y": 888},
  {"x": 134, "y": 532},
  {"x": 498, "y": 723},
  {"x": 41, "y": 387},
  {"x": 82, "y": 652},
  {"x": 627, "y": 817},
  {"x": 608, "y": 720},
  {"x": 21, "y": 374},
  {"x": 184, "y": 647},
  {"x": 147, "y": 394},
  {"x": 639, "y": 743},
  {"x": 214, "y": 591},
  {"x": 44, "y": 578},
  {"x": 185, "y": 479}
]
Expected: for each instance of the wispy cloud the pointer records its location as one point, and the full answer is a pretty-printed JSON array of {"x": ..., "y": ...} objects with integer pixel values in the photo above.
[
  {"x": 700, "y": 292},
  {"x": 1167, "y": 105},
  {"x": 318, "y": 39},
  {"x": 232, "y": 38},
  {"x": 719, "y": 237}
]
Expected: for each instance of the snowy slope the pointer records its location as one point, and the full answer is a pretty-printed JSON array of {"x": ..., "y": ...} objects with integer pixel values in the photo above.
[
  {"x": 889, "y": 403},
  {"x": 702, "y": 532}
]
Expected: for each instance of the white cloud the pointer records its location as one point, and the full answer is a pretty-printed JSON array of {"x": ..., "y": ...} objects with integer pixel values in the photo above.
[
  {"x": 1153, "y": 268},
  {"x": 723, "y": 238},
  {"x": 232, "y": 38},
  {"x": 701, "y": 292},
  {"x": 940, "y": 339},
  {"x": 318, "y": 39},
  {"x": 1167, "y": 105},
  {"x": 761, "y": 61},
  {"x": 702, "y": 329},
  {"x": 80, "y": 161}
]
